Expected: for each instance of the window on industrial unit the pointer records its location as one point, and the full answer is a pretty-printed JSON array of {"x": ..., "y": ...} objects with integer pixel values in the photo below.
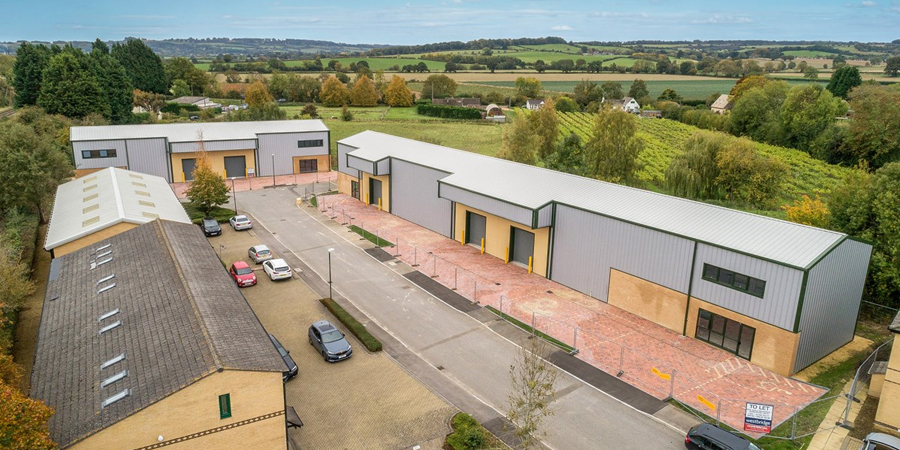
[
  {"x": 725, "y": 333},
  {"x": 224, "y": 406},
  {"x": 91, "y": 154},
  {"x": 310, "y": 143},
  {"x": 734, "y": 280}
]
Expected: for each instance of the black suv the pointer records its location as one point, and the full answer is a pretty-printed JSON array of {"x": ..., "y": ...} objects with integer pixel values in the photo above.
[
  {"x": 210, "y": 227},
  {"x": 711, "y": 437}
]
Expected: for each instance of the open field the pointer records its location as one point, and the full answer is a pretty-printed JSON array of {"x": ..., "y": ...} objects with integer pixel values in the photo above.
[
  {"x": 810, "y": 54},
  {"x": 698, "y": 89}
]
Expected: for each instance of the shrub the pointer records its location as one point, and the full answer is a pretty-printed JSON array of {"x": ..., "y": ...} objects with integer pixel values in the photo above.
[
  {"x": 358, "y": 329},
  {"x": 448, "y": 112},
  {"x": 468, "y": 433}
]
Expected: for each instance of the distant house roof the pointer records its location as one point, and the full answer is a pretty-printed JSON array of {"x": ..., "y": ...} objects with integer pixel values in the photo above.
[
  {"x": 191, "y": 100},
  {"x": 535, "y": 188},
  {"x": 108, "y": 197},
  {"x": 189, "y": 132},
  {"x": 180, "y": 318},
  {"x": 534, "y": 102},
  {"x": 721, "y": 103}
]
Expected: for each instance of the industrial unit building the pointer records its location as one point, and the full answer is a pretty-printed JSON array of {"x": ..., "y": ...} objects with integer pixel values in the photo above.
[
  {"x": 236, "y": 149},
  {"x": 105, "y": 203},
  {"x": 145, "y": 342},
  {"x": 779, "y": 294}
]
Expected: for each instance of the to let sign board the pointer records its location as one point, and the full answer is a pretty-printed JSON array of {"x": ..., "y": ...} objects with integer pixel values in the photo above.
[{"x": 758, "y": 418}]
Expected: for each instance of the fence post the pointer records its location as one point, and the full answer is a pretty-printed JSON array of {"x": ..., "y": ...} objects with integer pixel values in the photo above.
[
  {"x": 718, "y": 410},
  {"x": 501, "y": 304},
  {"x": 575, "y": 339},
  {"x": 434, "y": 266},
  {"x": 397, "y": 247},
  {"x": 672, "y": 384},
  {"x": 794, "y": 423},
  {"x": 621, "y": 361},
  {"x": 455, "y": 277},
  {"x": 415, "y": 256},
  {"x": 377, "y": 239},
  {"x": 475, "y": 290},
  {"x": 532, "y": 322}
]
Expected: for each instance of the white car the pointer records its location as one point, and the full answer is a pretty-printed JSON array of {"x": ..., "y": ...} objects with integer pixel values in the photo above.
[
  {"x": 277, "y": 269},
  {"x": 240, "y": 223},
  {"x": 259, "y": 253}
]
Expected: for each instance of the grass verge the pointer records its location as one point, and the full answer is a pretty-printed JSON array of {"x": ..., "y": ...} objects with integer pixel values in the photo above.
[
  {"x": 528, "y": 328},
  {"x": 220, "y": 214},
  {"x": 370, "y": 237},
  {"x": 313, "y": 201},
  {"x": 358, "y": 329},
  {"x": 468, "y": 434}
]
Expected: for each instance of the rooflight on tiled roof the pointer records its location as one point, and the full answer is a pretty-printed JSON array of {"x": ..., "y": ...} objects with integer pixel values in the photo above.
[
  {"x": 112, "y": 361},
  {"x": 114, "y": 378},
  {"x": 108, "y": 315},
  {"x": 111, "y": 326},
  {"x": 101, "y": 248},
  {"x": 115, "y": 398},
  {"x": 106, "y": 288}
]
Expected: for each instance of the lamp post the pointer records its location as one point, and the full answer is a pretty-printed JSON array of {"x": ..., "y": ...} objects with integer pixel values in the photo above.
[
  {"x": 273, "y": 170},
  {"x": 330, "y": 294},
  {"x": 233, "y": 195}
]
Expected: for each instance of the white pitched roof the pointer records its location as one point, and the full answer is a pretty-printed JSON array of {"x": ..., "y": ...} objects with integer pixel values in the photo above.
[
  {"x": 534, "y": 187},
  {"x": 189, "y": 132},
  {"x": 720, "y": 102},
  {"x": 111, "y": 196}
]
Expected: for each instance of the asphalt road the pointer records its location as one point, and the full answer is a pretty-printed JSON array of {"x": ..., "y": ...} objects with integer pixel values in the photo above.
[{"x": 454, "y": 354}]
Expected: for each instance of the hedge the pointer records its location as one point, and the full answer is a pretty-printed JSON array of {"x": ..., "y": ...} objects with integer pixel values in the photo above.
[
  {"x": 358, "y": 330},
  {"x": 448, "y": 112}
]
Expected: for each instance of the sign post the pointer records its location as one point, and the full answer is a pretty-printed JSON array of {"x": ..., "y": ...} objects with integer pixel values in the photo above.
[{"x": 758, "y": 418}]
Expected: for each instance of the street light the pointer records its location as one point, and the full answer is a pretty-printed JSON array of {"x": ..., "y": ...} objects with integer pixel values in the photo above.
[
  {"x": 273, "y": 171},
  {"x": 233, "y": 195},
  {"x": 330, "y": 294}
]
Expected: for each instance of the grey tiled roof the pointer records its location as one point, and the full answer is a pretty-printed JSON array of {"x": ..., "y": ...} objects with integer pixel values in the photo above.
[{"x": 182, "y": 318}]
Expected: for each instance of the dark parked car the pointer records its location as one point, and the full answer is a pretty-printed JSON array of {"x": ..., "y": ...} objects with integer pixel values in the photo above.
[
  {"x": 286, "y": 356},
  {"x": 880, "y": 441},
  {"x": 329, "y": 341},
  {"x": 210, "y": 227},
  {"x": 711, "y": 437}
]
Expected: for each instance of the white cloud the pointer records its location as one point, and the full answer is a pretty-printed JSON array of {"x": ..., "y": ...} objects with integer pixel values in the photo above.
[
  {"x": 723, "y": 19},
  {"x": 868, "y": 4},
  {"x": 562, "y": 28}
]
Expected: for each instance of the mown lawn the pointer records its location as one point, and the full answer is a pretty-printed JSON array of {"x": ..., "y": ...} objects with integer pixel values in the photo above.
[{"x": 698, "y": 89}]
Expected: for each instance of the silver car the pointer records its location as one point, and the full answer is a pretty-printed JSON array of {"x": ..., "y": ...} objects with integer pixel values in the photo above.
[
  {"x": 880, "y": 441},
  {"x": 260, "y": 253},
  {"x": 240, "y": 223}
]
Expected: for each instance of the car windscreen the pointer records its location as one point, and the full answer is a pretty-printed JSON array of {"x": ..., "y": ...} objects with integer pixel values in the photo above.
[
  {"x": 243, "y": 271},
  {"x": 240, "y": 219},
  {"x": 209, "y": 223},
  {"x": 332, "y": 336}
]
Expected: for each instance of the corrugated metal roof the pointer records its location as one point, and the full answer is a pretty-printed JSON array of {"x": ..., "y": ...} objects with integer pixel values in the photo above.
[
  {"x": 532, "y": 187},
  {"x": 190, "y": 132},
  {"x": 111, "y": 196}
]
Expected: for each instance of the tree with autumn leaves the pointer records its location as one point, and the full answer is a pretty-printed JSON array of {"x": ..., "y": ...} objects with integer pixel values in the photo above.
[
  {"x": 23, "y": 421},
  {"x": 397, "y": 93},
  {"x": 208, "y": 190}
]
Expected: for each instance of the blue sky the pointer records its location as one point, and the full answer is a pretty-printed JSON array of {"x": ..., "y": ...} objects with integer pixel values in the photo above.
[{"x": 415, "y": 22}]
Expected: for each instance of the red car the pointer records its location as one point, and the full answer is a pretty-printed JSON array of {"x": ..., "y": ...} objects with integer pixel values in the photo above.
[{"x": 242, "y": 273}]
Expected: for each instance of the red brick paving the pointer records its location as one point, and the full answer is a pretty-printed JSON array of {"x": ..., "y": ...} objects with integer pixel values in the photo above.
[{"x": 607, "y": 337}]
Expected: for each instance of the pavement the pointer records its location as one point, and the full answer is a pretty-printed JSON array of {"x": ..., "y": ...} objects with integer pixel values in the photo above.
[
  {"x": 831, "y": 436},
  {"x": 656, "y": 360},
  {"x": 464, "y": 357},
  {"x": 367, "y": 401}
]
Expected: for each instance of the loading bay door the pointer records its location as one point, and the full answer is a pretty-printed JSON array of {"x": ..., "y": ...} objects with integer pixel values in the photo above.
[
  {"x": 522, "y": 243},
  {"x": 187, "y": 167},
  {"x": 374, "y": 191},
  {"x": 235, "y": 166},
  {"x": 476, "y": 225}
]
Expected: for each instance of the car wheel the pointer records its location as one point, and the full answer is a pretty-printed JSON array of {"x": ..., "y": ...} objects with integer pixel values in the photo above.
[
  {"x": 323, "y": 356},
  {"x": 310, "y": 340}
]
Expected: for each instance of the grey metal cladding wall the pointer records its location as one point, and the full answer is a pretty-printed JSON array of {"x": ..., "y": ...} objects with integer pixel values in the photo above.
[
  {"x": 831, "y": 301},
  {"x": 414, "y": 197},
  {"x": 284, "y": 147},
  {"x": 384, "y": 166},
  {"x": 342, "y": 151},
  {"x": 95, "y": 163},
  {"x": 148, "y": 156},
  {"x": 587, "y": 245},
  {"x": 360, "y": 164},
  {"x": 545, "y": 216},
  {"x": 213, "y": 146},
  {"x": 514, "y": 213},
  {"x": 779, "y": 303}
]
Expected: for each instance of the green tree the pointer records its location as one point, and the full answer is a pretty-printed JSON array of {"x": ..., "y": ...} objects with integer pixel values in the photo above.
[
  {"x": 99, "y": 47},
  {"x": 807, "y": 115},
  {"x": 528, "y": 87},
  {"x": 334, "y": 92},
  {"x": 439, "y": 86},
  {"x": 693, "y": 173},
  {"x": 397, "y": 93},
  {"x": 612, "y": 90},
  {"x": 346, "y": 115},
  {"x": 143, "y": 66},
  {"x": 757, "y": 114},
  {"x": 70, "y": 86},
  {"x": 587, "y": 92},
  {"x": 566, "y": 104},
  {"x": 183, "y": 69},
  {"x": 873, "y": 131},
  {"x": 363, "y": 92},
  {"x": 746, "y": 176},
  {"x": 28, "y": 73},
  {"x": 208, "y": 190},
  {"x": 638, "y": 90},
  {"x": 669, "y": 95},
  {"x": 568, "y": 156},
  {"x": 892, "y": 66},
  {"x": 114, "y": 82},
  {"x": 311, "y": 111},
  {"x": 518, "y": 142},
  {"x": 532, "y": 391},
  {"x": 811, "y": 73},
  {"x": 611, "y": 153},
  {"x": 180, "y": 88},
  {"x": 268, "y": 111},
  {"x": 545, "y": 125},
  {"x": 843, "y": 80},
  {"x": 257, "y": 95},
  {"x": 745, "y": 84},
  {"x": 35, "y": 165}
]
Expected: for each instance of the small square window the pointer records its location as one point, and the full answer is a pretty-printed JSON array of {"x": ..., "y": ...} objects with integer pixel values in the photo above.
[
  {"x": 740, "y": 281},
  {"x": 726, "y": 276},
  {"x": 757, "y": 287},
  {"x": 224, "y": 406},
  {"x": 710, "y": 272}
]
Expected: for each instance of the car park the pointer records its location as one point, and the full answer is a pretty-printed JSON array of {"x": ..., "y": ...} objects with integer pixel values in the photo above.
[
  {"x": 329, "y": 341},
  {"x": 242, "y": 274},
  {"x": 277, "y": 269},
  {"x": 286, "y": 356},
  {"x": 710, "y": 437},
  {"x": 240, "y": 223},
  {"x": 880, "y": 441},
  {"x": 210, "y": 227},
  {"x": 259, "y": 253}
]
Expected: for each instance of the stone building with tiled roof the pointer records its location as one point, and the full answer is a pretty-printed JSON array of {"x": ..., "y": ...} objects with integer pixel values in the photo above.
[{"x": 145, "y": 342}]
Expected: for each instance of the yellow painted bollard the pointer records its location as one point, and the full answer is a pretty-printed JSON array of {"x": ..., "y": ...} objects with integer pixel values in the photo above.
[
  {"x": 183, "y": 178},
  {"x": 379, "y": 204},
  {"x": 367, "y": 199},
  {"x": 463, "y": 240},
  {"x": 506, "y": 259},
  {"x": 529, "y": 263},
  {"x": 482, "y": 246}
]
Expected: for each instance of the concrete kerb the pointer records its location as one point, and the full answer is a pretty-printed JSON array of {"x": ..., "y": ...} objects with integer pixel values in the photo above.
[{"x": 522, "y": 332}]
